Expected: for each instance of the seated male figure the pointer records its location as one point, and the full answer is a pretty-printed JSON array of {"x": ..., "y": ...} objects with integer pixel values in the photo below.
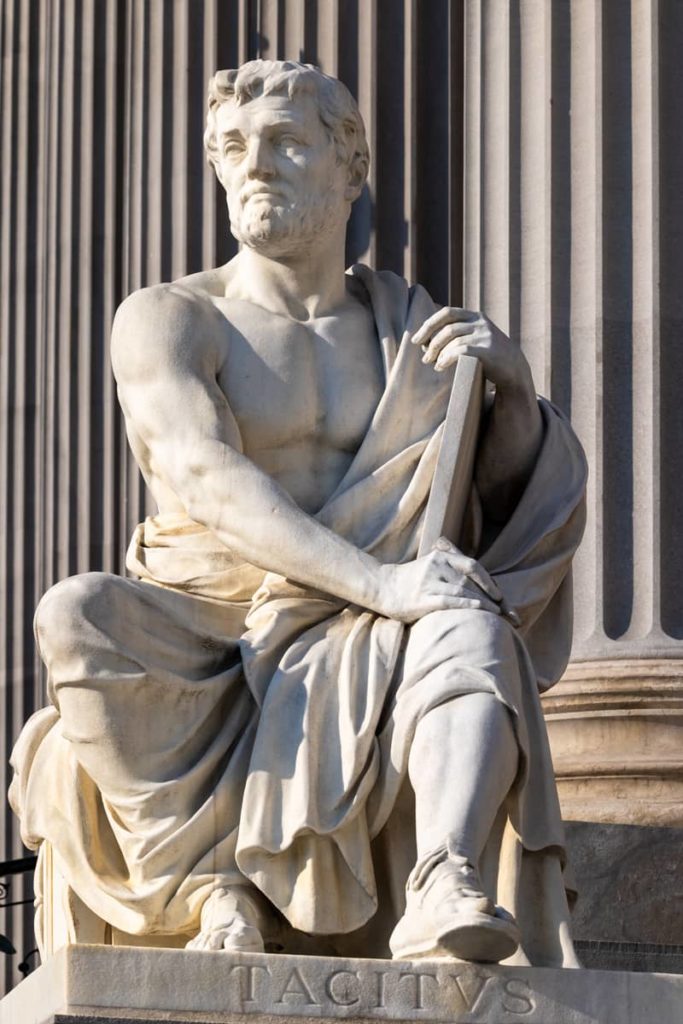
[{"x": 288, "y": 659}]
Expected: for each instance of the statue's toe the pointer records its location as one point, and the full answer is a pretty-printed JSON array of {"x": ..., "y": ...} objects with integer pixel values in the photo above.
[
  {"x": 243, "y": 938},
  {"x": 201, "y": 941},
  {"x": 236, "y": 937},
  {"x": 466, "y": 935},
  {"x": 230, "y": 921}
]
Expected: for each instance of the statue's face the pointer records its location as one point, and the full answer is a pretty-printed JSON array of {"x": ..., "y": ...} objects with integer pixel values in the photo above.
[{"x": 284, "y": 185}]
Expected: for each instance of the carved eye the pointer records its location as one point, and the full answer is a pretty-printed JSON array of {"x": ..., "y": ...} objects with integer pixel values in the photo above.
[
  {"x": 233, "y": 148},
  {"x": 288, "y": 141}
]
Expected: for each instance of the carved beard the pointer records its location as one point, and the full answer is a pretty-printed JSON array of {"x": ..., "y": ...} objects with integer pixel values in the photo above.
[{"x": 274, "y": 227}]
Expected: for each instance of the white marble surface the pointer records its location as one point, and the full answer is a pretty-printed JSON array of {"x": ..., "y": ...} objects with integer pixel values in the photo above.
[
  {"x": 227, "y": 746},
  {"x": 94, "y": 982}
]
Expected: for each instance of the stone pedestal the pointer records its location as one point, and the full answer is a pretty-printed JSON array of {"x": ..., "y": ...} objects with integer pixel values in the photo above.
[{"x": 108, "y": 986}]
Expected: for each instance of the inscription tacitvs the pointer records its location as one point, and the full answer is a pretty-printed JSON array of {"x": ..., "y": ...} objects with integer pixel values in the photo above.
[{"x": 445, "y": 991}]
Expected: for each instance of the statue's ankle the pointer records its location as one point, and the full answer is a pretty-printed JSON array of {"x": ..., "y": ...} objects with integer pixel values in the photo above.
[
  {"x": 453, "y": 849},
  {"x": 243, "y": 900}
]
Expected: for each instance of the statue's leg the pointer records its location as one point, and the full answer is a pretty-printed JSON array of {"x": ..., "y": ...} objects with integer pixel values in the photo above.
[
  {"x": 153, "y": 704},
  {"x": 462, "y": 765},
  {"x": 133, "y": 670}
]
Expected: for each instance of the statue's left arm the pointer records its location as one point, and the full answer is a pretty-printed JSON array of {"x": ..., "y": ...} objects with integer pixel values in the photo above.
[
  {"x": 513, "y": 429},
  {"x": 530, "y": 475}
]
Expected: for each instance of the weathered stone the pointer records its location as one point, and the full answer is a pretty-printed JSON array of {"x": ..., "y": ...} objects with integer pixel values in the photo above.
[
  {"x": 226, "y": 750},
  {"x": 94, "y": 983},
  {"x": 630, "y": 907},
  {"x": 615, "y": 730}
]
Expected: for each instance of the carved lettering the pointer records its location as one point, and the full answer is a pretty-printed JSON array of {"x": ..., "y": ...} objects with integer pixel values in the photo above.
[
  {"x": 297, "y": 987},
  {"x": 341, "y": 996},
  {"x": 247, "y": 985},
  {"x": 515, "y": 989},
  {"x": 381, "y": 985},
  {"x": 470, "y": 987},
  {"x": 418, "y": 987}
]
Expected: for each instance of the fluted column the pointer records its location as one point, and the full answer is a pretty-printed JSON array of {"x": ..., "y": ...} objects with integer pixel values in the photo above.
[{"x": 573, "y": 230}]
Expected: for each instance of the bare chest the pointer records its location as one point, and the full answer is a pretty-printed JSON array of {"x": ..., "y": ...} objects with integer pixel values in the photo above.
[{"x": 289, "y": 385}]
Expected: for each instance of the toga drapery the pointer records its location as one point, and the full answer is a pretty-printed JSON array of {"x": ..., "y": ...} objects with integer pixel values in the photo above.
[{"x": 209, "y": 721}]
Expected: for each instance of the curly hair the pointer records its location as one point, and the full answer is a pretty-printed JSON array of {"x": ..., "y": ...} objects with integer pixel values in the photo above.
[{"x": 337, "y": 108}]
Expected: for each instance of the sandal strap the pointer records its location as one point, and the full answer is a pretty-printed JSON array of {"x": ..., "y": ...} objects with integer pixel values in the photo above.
[{"x": 419, "y": 876}]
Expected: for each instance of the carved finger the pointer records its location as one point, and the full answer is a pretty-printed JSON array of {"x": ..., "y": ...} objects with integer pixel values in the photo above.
[
  {"x": 455, "y": 598},
  {"x": 474, "y": 571},
  {"x": 447, "y": 315},
  {"x": 448, "y": 572},
  {"x": 450, "y": 557},
  {"x": 510, "y": 614},
  {"x": 452, "y": 352},
  {"x": 444, "y": 544},
  {"x": 455, "y": 555},
  {"x": 442, "y": 338}
]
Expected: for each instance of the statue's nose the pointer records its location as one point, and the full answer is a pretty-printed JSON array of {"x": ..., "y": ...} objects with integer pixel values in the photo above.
[{"x": 260, "y": 159}]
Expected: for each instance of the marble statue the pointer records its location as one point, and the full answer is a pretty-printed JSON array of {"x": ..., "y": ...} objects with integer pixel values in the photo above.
[{"x": 285, "y": 722}]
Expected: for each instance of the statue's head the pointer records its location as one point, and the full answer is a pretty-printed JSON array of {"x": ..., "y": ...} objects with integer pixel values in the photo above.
[{"x": 288, "y": 145}]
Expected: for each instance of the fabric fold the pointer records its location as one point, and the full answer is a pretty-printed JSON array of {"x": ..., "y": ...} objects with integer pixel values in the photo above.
[{"x": 300, "y": 789}]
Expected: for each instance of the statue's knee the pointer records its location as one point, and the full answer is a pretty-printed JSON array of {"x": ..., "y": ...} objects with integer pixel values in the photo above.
[
  {"x": 62, "y": 611},
  {"x": 469, "y": 620},
  {"x": 497, "y": 635},
  {"x": 495, "y": 625},
  {"x": 468, "y": 636}
]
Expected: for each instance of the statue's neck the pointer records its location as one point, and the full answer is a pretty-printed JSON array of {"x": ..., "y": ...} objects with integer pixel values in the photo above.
[{"x": 308, "y": 285}]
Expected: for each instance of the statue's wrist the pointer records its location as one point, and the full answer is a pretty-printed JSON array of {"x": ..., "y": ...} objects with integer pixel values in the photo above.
[
  {"x": 519, "y": 387},
  {"x": 371, "y": 585}
]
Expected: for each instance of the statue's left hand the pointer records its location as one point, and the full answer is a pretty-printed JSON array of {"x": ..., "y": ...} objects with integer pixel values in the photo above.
[
  {"x": 507, "y": 451},
  {"x": 452, "y": 332}
]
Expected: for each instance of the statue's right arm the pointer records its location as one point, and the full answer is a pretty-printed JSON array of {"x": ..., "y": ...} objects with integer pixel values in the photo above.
[{"x": 166, "y": 361}]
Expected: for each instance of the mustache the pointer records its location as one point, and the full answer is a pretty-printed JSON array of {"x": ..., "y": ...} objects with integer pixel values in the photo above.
[{"x": 258, "y": 190}]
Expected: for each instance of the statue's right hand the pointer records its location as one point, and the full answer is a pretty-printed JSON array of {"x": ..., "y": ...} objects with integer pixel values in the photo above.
[{"x": 445, "y": 578}]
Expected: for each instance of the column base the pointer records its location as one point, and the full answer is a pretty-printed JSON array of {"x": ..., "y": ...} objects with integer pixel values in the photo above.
[
  {"x": 104, "y": 985},
  {"x": 616, "y": 736}
]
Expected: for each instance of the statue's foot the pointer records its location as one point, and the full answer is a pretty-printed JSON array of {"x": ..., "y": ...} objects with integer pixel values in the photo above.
[
  {"x": 232, "y": 920},
  {"x": 448, "y": 915}
]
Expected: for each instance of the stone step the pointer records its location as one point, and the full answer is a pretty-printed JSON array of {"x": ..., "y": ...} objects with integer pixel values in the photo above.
[{"x": 112, "y": 985}]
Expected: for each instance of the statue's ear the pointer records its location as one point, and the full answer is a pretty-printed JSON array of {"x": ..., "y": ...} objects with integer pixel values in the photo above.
[{"x": 356, "y": 180}]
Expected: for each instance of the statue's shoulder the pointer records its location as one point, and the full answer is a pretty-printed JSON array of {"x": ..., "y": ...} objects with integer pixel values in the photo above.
[
  {"x": 194, "y": 294},
  {"x": 174, "y": 322}
]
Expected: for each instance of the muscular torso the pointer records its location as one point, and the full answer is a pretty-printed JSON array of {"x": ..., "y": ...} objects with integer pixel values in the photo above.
[{"x": 302, "y": 394}]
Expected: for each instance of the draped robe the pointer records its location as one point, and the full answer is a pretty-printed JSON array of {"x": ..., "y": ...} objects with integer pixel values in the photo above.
[{"x": 271, "y": 723}]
